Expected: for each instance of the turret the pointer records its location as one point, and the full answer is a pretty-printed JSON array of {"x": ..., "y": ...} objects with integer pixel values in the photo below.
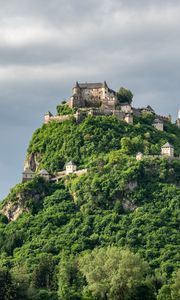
[
  {"x": 28, "y": 174},
  {"x": 167, "y": 150},
  {"x": 70, "y": 168},
  {"x": 47, "y": 117},
  {"x": 43, "y": 173},
  {"x": 139, "y": 156},
  {"x": 178, "y": 120},
  {"x": 158, "y": 124},
  {"x": 170, "y": 118},
  {"x": 105, "y": 84},
  {"x": 76, "y": 89},
  {"x": 128, "y": 119},
  {"x": 104, "y": 89}
]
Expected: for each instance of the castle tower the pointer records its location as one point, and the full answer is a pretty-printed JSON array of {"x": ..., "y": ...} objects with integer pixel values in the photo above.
[
  {"x": 43, "y": 173},
  {"x": 104, "y": 89},
  {"x": 28, "y": 174},
  {"x": 158, "y": 124},
  {"x": 167, "y": 150},
  {"x": 70, "y": 168},
  {"x": 47, "y": 117},
  {"x": 178, "y": 120},
  {"x": 105, "y": 84},
  {"x": 128, "y": 119},
  {"x": 76, "y": 89},
  {"x": 139, "y": 156}
]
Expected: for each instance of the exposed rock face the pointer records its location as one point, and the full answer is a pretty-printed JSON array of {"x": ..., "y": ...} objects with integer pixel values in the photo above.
[
  {"x": 13, "y": 211},
  {"x": 32, "y": 162},
  {"x": 25, "y": 198}
]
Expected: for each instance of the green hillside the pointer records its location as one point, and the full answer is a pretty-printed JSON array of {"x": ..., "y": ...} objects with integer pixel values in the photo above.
[{"x": 112, "y": 233}]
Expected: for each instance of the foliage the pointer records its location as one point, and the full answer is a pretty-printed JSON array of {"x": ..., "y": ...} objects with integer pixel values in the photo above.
[
  {"x": 111, "y": 273},
  {"x": 124, "y": 95},
  {"x": 126, "y": 210},
  {"x": 58, "y": 143},
  {"x": 43, "y": 274},
  {"x": 64, "y": 109},
  {"x": 171, "y": 291},
  {"x": 70, "y": 281},
  {"x": 7, "y": 289}
]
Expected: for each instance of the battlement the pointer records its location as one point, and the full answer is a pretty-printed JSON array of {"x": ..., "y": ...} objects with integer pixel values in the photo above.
[
  {"x": 97, "y": 99},
  {"x": 82, "y": 113},
  {"x": 49, "y": 117}
]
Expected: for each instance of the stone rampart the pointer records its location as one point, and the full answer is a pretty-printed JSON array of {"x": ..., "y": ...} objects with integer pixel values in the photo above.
[{"x": 57, "y": 118}]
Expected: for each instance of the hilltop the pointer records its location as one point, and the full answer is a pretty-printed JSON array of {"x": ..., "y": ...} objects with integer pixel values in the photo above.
[{"x": 120, "y": 201}]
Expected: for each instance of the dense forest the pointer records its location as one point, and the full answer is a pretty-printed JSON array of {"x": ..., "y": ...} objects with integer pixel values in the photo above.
[{"x": 112, "y": 233}]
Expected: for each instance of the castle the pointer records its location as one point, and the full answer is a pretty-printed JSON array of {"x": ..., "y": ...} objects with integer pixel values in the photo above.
[
  {"x": 93, "y": 95},
  {"x": 167, "y": 151},
  {"x": 97, "y": 99}
]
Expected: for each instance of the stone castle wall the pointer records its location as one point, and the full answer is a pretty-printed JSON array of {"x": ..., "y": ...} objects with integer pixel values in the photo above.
[
  {"x": 62, "y": 118},
  {"x": 93, "y": 95},
  {"x": 82, "y": 113}
]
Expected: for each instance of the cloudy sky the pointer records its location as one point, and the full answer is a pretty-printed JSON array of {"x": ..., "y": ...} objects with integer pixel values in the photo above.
[{"x": 46, "y": 45}]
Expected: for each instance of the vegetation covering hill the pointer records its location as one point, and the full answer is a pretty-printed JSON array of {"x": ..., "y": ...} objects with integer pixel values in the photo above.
[{"x": 111, "y": 233}]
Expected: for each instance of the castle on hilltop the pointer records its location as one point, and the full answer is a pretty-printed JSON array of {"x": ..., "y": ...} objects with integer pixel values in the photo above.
[
  {"x": 97, "y": 99},
  {"x": 93, "y": 95}
]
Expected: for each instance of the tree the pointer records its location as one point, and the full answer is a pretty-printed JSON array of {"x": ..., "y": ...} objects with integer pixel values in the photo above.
[
  {"x": 171, "y": 291},
  {"x": 64, "y": 109},
  {"x": 70, "y": 279},
  {"x": 124, "y": 95},
  {"x": 43, "y": 274},
  {"x": 7, "y": 288},
  {"x": 175, "y": 288},
  {"x": 41, "y": 294},
  {"x": 111, "y": 273}
]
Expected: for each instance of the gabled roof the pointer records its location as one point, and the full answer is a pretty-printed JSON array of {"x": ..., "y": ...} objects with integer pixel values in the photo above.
[
  {"x": 70, "y": 163},
  {"x": 91, "y": 85},
  {"x": 150, "y": 108},
  {"x": 43, "y": 172},
  {"x": 125, "y": 104},
  {"x": 28, "y": 171},
  {"x": 111, "y": 91},
  {"x": 96, "y": 85},
  {"x": 167, "y": 145},
  {"x": 158, "y": 121},
  {"x": 49, "y": 114}
]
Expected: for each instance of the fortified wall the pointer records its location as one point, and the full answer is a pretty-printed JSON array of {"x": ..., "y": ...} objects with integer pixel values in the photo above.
[
  {"x": 97, "y": 99},
  {"x": 81, "y": 114}
]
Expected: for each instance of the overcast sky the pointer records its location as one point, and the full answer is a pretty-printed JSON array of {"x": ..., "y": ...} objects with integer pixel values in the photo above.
[{"x": 46, "y": 45}]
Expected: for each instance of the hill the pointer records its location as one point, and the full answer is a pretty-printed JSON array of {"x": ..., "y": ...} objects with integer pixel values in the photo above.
[{"x": 122, "y": 203}]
